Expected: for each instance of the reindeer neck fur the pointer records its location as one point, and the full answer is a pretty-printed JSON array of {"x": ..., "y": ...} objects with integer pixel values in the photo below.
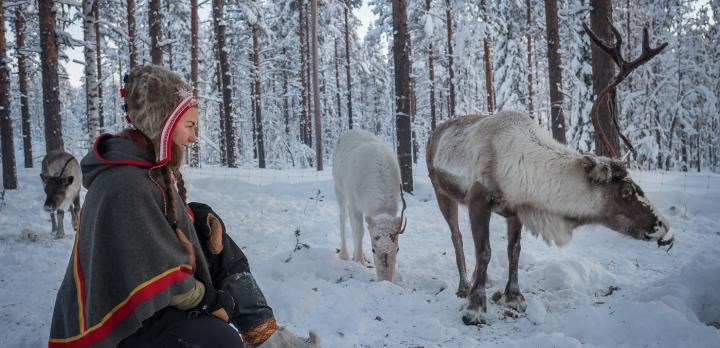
[{"x": 539, "y": 179}]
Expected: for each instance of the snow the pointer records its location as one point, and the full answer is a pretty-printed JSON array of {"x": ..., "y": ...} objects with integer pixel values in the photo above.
[{"x": 601, "y": 290}]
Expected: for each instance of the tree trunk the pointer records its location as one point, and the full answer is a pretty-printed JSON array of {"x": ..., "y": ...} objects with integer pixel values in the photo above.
[
  {"x": 169, "y": 40},
  {"x": 431, "y": 75},
  {"x": 22, "y": 82},
  {"x": 91, "y": 79},
  {"x": 252, "y": 112},
  {"x": 286, "y": 104},
  {"x": 309, "y": 81},
  {"x": 221, "y": 110},
  {"x": 51, "y": 88},
  {"x": 698, "y": 153},
  {"x": 557, "y": 119},
  {"x": 347, "y": 65},
  {"x": 98, "y": 50},
  {"x": 603, "y": 69},
  {"x": 529, "y": 59},
  {"x": 304, "y": 124},
  {"x": 451, "y": 73},
  {"x": 226, "y": 86},
  {"x": 316, "y": 87},
  {"x": 6, "y": 131},
  {"x": 488, "y": 60},
  {"x": 258, "y": 99},
  {"x": 131, "y": 33},
  {"x": 337, "y": 81},
  {"x": 401, "y": 60},
  {"x": 155, "y": 24},
  {"x": 195, "y": 147}
]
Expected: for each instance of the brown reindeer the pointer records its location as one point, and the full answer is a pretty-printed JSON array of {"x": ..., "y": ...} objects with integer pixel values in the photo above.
[{"x": 506, "y": 164}]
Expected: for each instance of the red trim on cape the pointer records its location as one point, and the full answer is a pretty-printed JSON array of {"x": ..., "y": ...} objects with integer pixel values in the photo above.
[
  {"x": 121, "y": 312},
  {"x": 80, "y": 278},
  {"x": 105, "y": 136}
]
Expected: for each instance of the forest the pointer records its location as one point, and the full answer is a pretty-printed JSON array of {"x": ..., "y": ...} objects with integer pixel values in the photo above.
[{"x": 253, "y": 69}]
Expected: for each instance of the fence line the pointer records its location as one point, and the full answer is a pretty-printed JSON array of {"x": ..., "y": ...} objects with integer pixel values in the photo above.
[{"x": 654, "y": 181}]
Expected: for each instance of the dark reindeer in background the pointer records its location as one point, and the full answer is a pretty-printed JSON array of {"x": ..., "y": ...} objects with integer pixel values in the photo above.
[
  {"x": 506, "y": 164},
  {"x": 61, "y": 178}
]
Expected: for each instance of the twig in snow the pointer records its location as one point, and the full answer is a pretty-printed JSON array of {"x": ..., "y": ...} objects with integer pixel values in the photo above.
[{"x": 298, "y": 245}]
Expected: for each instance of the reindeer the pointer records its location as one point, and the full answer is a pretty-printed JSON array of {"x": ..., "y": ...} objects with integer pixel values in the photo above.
[
  {"x": 367, "y": 183},
  {"x": 61, "y": 178},
  {"x": 506, "y": 164}
]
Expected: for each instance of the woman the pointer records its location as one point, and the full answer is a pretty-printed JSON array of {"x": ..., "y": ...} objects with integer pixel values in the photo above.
[{"x": 137, "y": 276}]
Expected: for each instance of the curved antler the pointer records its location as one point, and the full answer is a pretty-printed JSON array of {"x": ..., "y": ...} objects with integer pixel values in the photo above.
[
  {"x": 615, "y": 52},
  {"x": 402, "y": 212}
]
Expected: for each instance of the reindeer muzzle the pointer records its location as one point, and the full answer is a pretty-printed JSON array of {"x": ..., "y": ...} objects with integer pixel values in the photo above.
[{"x": 667, "y": 240}]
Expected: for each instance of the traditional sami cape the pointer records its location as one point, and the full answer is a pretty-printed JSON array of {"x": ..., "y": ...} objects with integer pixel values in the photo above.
[{"x": 127, "y": 262}]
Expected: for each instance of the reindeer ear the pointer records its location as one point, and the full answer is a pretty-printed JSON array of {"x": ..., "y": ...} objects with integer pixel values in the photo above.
[
  {"x": 370, "y": 221},
  {"x": 597, "y": 170},
  {"x": 618, "y": 170},
  {"x": 588, "y": 163}
]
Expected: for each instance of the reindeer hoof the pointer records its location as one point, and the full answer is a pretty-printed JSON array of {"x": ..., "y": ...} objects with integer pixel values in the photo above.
[
  {"x": 344, "y": 255},
  {"x": 59, "y": 236},
  {"x": 516, "y": 302},
  {"x": 361, "y": 260},
  {"x": 462, "y": 291},
  {"x": 473, "y": 317}
]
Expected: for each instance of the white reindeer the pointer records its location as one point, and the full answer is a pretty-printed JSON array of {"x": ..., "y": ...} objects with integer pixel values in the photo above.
[
  {"x": 506, "y": 164},
  {"x": 367, "y": 183}
]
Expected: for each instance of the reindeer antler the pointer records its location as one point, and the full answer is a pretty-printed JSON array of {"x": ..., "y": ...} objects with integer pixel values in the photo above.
[
  {"x": 615, "y": 52},
  {"x": 402, "y": 212}
]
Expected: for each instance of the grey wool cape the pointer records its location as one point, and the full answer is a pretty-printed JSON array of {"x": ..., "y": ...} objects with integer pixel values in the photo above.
[{"x": 127, "y": 262}]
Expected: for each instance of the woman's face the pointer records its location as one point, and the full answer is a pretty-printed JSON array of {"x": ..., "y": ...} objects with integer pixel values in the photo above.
[{"x": 184, "y": 133}]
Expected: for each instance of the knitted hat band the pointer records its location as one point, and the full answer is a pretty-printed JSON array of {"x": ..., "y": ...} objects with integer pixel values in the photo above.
[{"x": 164, "y": 154}]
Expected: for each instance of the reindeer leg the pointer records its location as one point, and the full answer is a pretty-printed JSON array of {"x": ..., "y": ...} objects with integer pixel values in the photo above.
[
  {"x": 60, "y": 229},
  {"x": 75, "y": 212},
  {"x": 343, "y": 224},
  {"x": 449, "y": 209},
  {"x": 480, "y": 210},
  {"x": 356, "y": 222},
  {"x": 512, "y": 297},
  {"x": 54, "y": 224}
]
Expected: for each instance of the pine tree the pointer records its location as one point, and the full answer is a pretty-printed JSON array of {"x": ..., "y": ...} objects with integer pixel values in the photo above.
[
  {"x": 401, "y": 58},
  {"x": 23, "y": 85},
  {"x": 6, "y": 131},
  {"x": 557, "y": 119},
  {"x": 51, "y": 90},
  {"x": 226, "y": 86}
]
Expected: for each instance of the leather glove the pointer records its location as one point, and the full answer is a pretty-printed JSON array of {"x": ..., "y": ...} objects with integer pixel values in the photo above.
[
  {"x": 209, "y": 227},
  {"x": 283, "y": 338}
]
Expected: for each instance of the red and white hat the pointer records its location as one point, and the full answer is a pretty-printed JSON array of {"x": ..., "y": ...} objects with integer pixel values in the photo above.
[{"x": 157, "y": 98}]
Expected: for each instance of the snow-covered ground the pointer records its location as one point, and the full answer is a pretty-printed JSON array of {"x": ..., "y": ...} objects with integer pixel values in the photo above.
[{"x": 664, "y": 299}]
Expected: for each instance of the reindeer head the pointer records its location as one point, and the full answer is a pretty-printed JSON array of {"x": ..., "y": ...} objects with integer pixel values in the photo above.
[
  {"x": 384, "y": 232},
  {"x": 626, "y": 209},
  {"x": 55, "y": 187}
]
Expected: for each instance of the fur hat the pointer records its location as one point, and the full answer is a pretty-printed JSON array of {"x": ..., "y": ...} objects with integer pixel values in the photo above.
[{"x": 156, "y": 99}]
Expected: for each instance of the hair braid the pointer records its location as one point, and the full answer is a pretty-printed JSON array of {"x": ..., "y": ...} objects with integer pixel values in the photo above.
[
  {"x": 180, "y": 183},
  {"x": 184, "y": 242}
]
